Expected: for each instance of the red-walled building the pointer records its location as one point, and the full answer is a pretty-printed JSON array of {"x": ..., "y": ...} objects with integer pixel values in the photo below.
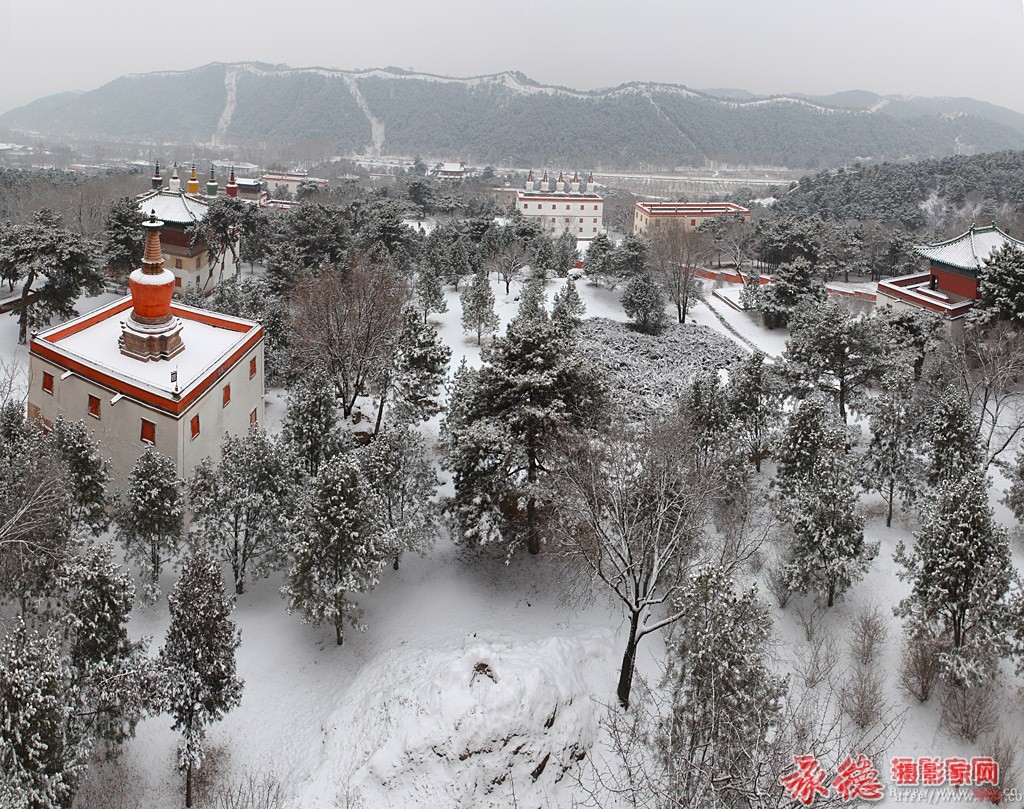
[{"x": 950, "y": 285}]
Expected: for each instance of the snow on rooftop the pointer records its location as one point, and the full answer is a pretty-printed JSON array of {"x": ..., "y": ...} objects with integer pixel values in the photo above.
[
  {"x": 970, "y": 250},
  {"x": 178, "y": 208},
  {"x": 206, "y": 346}
]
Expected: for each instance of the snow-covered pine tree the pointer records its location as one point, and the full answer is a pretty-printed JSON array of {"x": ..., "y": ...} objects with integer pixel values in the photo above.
[
  {"x": 705, "y": 410},
  {"x": 567, "y": 307},
  {"x": 755, "y": 399},
  {"x": 542, "y": 256},
  {"x": 458, "y": 262},
  {"x": 809, "y": 430},
  {"x": 339, "y": 549},
  {"x": 113, "y": 673},
  {"x": 420, "y": 369},
  {"x": 1001, "y": 288},
  {"x": 533, "y": 302},
  {"x": 312, "y": 421},
  {"x": 64, "y": 261},
  {"x": 430, "y": 290},
  {"x": 828, "y": 552},
  {"x": 891, "y": 465},
  {"x": 597, "y": 262},
  {"x": 726, "y": 701},
  {"x": 644, "y": 303},
  {"x": 629, "y": 258},
  {"x": 566, "y": 254},
  {"x": 124, "y": 237},
  {"x": 961, "y": 575},
  {"x": 794, "y": 282},
  {"x": 88, "y": 472},
  {"x": 833, "y": 351},
  {"x": 751, "y": 293},
  {"x": 1014, "y": 497},
  {"x": 477, "y": 301},
  {"x": 396, "y": 468},
  {"x": 43, "y": 750},
  {"x": 243, "y": 508},
  {"x": 35, "y": 510},
  {"x": 950, "y": 439},
  {"x": 502, "y": 427},
  {"x": 150, "y": 521},
  {"x": 197, "y": 660}
]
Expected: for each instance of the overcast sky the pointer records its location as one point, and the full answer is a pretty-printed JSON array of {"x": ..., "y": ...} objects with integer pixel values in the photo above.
[{"x": 922, "y": 47}]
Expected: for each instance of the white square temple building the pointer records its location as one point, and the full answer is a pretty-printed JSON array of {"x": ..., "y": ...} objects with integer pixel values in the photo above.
[{"x": 145, "y": 371}]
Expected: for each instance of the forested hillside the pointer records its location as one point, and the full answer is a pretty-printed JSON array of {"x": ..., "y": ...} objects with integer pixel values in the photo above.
[
  {"x": 914, "y": 194},
  {"x": 492, "y": 119}
]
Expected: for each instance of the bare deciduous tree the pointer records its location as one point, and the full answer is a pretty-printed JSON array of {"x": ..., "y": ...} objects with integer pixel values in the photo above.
[
  {"x": 633, "y": 516},
  {"x": 349, "y": 320},
  {"x": 674, "y": 255}
]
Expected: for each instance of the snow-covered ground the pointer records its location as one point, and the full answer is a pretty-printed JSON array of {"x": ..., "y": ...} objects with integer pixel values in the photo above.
[{"x": 471, "y": 673}]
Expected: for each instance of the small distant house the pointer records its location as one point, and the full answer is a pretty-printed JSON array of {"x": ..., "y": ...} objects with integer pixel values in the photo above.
[
  {"x": 689, "y": 215},
  {"x": 452, "y": 171},
  {"x": 949, "y": 287},
  {"x": 287, "y": 185}
]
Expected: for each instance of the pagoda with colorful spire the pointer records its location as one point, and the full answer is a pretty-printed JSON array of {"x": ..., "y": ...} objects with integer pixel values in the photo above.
[
  {"x": 151, "y": 332},
  {"x": 193, "y": 181}
]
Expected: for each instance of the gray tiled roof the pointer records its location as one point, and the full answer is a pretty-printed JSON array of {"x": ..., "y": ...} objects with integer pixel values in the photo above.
[
  {"x": 970, "y": 250},
  {"x": 176, "y": 208}
]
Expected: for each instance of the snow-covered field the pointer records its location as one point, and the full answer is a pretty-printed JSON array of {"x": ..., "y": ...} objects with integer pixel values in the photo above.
[{"x": 474, "y": 684}]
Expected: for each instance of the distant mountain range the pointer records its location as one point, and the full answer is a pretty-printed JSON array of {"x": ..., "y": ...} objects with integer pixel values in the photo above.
[{"x": 507, "y": 116}]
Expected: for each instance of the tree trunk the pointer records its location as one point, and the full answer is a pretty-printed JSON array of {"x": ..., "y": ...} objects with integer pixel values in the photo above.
[
  {"x": 188, "y": 786},
  {"x": 831, "y": 593},
  {"x": 628, "y": 662},
  {"x": 532, "y": 535},
  {"x": 339, "y": 604},
  {"x": 397, "y": 557},
  {"x": 23, "y": 318},
  {"x": 380, "y": 414},
  {"x": 892, "y": 496}
]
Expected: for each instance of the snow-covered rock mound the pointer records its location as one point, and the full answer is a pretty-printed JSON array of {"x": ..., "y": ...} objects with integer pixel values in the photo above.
[
  {"x": 467, "y": 727},
  {"x": 654, "y": 370}
]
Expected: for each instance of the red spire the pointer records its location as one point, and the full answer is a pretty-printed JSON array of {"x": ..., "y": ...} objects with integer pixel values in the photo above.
[{"x": 232, "y": 187}]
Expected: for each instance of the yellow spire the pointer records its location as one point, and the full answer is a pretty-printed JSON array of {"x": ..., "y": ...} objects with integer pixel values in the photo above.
[{"x": 193, "y": 181}]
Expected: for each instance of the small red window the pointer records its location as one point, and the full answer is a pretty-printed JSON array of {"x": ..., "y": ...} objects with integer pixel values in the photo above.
[
  {"x": 227, "y": 395},
  {"x": 567, "y": 207},
  {"x": 252, "y": 368},
  {"x": 148, "y": 433},
  {"x": 177, "y": 263},
  {"x": 195, "y": 426},
  {"x": 693, "y": 223},
  {"x": 252, "y": 416},
  {"x": 94, "y": 406},
  {"x": 177, "y": 281},
  {"x": 595, "y": 207},
  {"x": 48, "y": 382}
]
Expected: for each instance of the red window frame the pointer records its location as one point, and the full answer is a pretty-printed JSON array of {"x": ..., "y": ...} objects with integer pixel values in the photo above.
[
  {"x": 226, "y": 396},
  {"x": 94, "y": 406},
  {"x": 48, "y": 382},
  {"x": 194, "y": 425},
  {"x": 252, "y": 417},
  {"x": 147, "y": 432},
  {"x": 252, "y": 367}
]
